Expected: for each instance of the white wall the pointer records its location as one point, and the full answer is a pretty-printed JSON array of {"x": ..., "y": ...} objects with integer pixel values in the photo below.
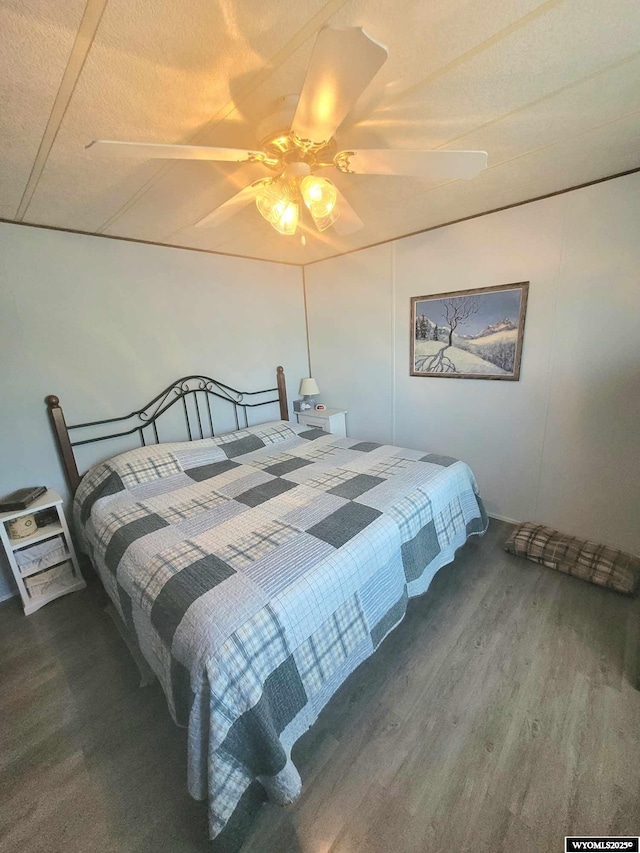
[
  {"x": 351, "y": 308},
  {"x": 562, "y": 445},
  {"x": 106, "y": 325}
]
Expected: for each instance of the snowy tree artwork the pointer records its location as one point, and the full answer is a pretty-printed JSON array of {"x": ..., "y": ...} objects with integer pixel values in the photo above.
[{"x": 469, "y": 334}]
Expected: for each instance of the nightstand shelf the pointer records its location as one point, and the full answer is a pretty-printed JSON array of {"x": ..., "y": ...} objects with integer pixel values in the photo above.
[
  {"x": 43, "y": 533},
  {"x": 46, "y": 575},
  {"x": 329, "y": 420}
]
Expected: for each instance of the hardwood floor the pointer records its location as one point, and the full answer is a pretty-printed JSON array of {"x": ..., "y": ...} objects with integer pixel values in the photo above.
[{"x": 501, "y": 715}]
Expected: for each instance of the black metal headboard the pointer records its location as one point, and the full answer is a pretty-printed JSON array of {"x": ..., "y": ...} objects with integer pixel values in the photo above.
[{"x": 195, "y": 393}]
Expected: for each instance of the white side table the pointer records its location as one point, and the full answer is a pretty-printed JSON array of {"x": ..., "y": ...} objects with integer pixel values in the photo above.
[
  {"x": 330, "y": 420},
  {"x": 41, "y": 578}
]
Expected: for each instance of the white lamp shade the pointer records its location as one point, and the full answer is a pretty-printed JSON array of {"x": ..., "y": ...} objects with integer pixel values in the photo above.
[{"x": 309, "y": 387}]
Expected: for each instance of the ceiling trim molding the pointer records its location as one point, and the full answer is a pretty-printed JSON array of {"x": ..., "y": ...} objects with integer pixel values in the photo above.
[
  {"x": 476, "y": 215},
  {"x": 82, "y": 45},
  {"x": 329, "y": 257},
  {"x": 4, "y": 221}
]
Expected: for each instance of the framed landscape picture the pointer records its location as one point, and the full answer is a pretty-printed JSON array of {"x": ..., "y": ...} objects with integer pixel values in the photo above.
[{"x": 469, "y": 334}]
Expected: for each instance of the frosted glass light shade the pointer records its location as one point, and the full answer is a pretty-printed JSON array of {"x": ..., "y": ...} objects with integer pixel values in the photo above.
[
  {"x": 286, "y": 221},
  {"x": 309, "y": 387},
  {"x": 324, "y": 222},
  {"x": 319, "y": 195},
  {"x": 272, "y": 200}
]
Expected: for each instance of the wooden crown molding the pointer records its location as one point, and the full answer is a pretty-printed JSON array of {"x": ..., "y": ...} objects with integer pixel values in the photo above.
[
  {"x": 478, "y": 215},
  {"x": 338, "y": 254},
  {"x": 144, "y": 242}
]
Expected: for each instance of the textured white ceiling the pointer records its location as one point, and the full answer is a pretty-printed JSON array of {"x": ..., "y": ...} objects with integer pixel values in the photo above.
[{"x": 550, "y": 89}]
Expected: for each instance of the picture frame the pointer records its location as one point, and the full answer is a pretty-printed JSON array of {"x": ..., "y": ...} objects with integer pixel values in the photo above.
[{"x": 469, "y": 334}]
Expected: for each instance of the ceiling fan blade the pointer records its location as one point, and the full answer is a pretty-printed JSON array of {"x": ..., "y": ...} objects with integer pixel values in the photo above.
[
  {"x": 419, "y": 164},
  {"x": 348, "y": 222},
  {"x": 148, "y": 150},
  {"x": 230, "y": 207},
  {"x": 343, "y": 63}
]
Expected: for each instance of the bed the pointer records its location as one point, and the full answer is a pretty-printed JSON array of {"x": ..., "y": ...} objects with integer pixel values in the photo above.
[{"x": 255, "y": 570}]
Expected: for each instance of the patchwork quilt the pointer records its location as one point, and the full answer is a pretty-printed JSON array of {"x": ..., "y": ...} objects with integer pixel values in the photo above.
[{"x": 256, "y": 570}]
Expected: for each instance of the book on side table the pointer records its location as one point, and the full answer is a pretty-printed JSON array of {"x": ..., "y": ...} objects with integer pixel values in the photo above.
[{"x": 21, "y": 498}]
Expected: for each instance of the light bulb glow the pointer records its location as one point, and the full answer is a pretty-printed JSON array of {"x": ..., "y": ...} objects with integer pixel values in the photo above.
[
  {"x": 272, "y": 200},
  {"x": 319, "y": 195},
  {"x": 278, "y": 201},
  {"x": 287, "y": 220}
]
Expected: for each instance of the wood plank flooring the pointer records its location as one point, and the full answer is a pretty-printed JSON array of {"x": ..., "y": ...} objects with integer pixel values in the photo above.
[{"x": 501, "y": 715}]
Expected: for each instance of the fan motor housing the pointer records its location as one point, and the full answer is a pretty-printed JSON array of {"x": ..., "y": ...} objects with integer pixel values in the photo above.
[{"x": 278, "y": 142}]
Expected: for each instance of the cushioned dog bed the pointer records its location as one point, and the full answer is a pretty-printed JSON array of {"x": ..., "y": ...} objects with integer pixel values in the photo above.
[{"x": 590, "y": 561}]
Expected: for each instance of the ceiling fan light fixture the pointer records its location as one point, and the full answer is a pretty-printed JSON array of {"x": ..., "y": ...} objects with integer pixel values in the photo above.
[
  {"x": 277, "y": 202},
  {"x": 319, "y": 195},
  {"x": 286, "y": 220},
  {"x": 324, "y": 222},
  {"x": 272, "y": 199},
  {"x": 298, "y": 140}
]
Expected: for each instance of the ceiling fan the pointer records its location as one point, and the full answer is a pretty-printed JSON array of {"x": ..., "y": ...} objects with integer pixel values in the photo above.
[{"x": 300, "y": 144}]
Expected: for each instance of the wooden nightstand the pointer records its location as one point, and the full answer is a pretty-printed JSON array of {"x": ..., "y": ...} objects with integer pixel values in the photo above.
[
  {"x": 330, "y": 420},
  {"x": 42, "y": 573}
]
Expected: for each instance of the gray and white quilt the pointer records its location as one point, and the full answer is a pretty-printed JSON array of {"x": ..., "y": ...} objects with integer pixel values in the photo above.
[{"x": 256, "y": 570}]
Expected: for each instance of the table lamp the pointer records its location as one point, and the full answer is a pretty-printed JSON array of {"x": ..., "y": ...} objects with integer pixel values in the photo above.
[{"x": 308, "y": 389}]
